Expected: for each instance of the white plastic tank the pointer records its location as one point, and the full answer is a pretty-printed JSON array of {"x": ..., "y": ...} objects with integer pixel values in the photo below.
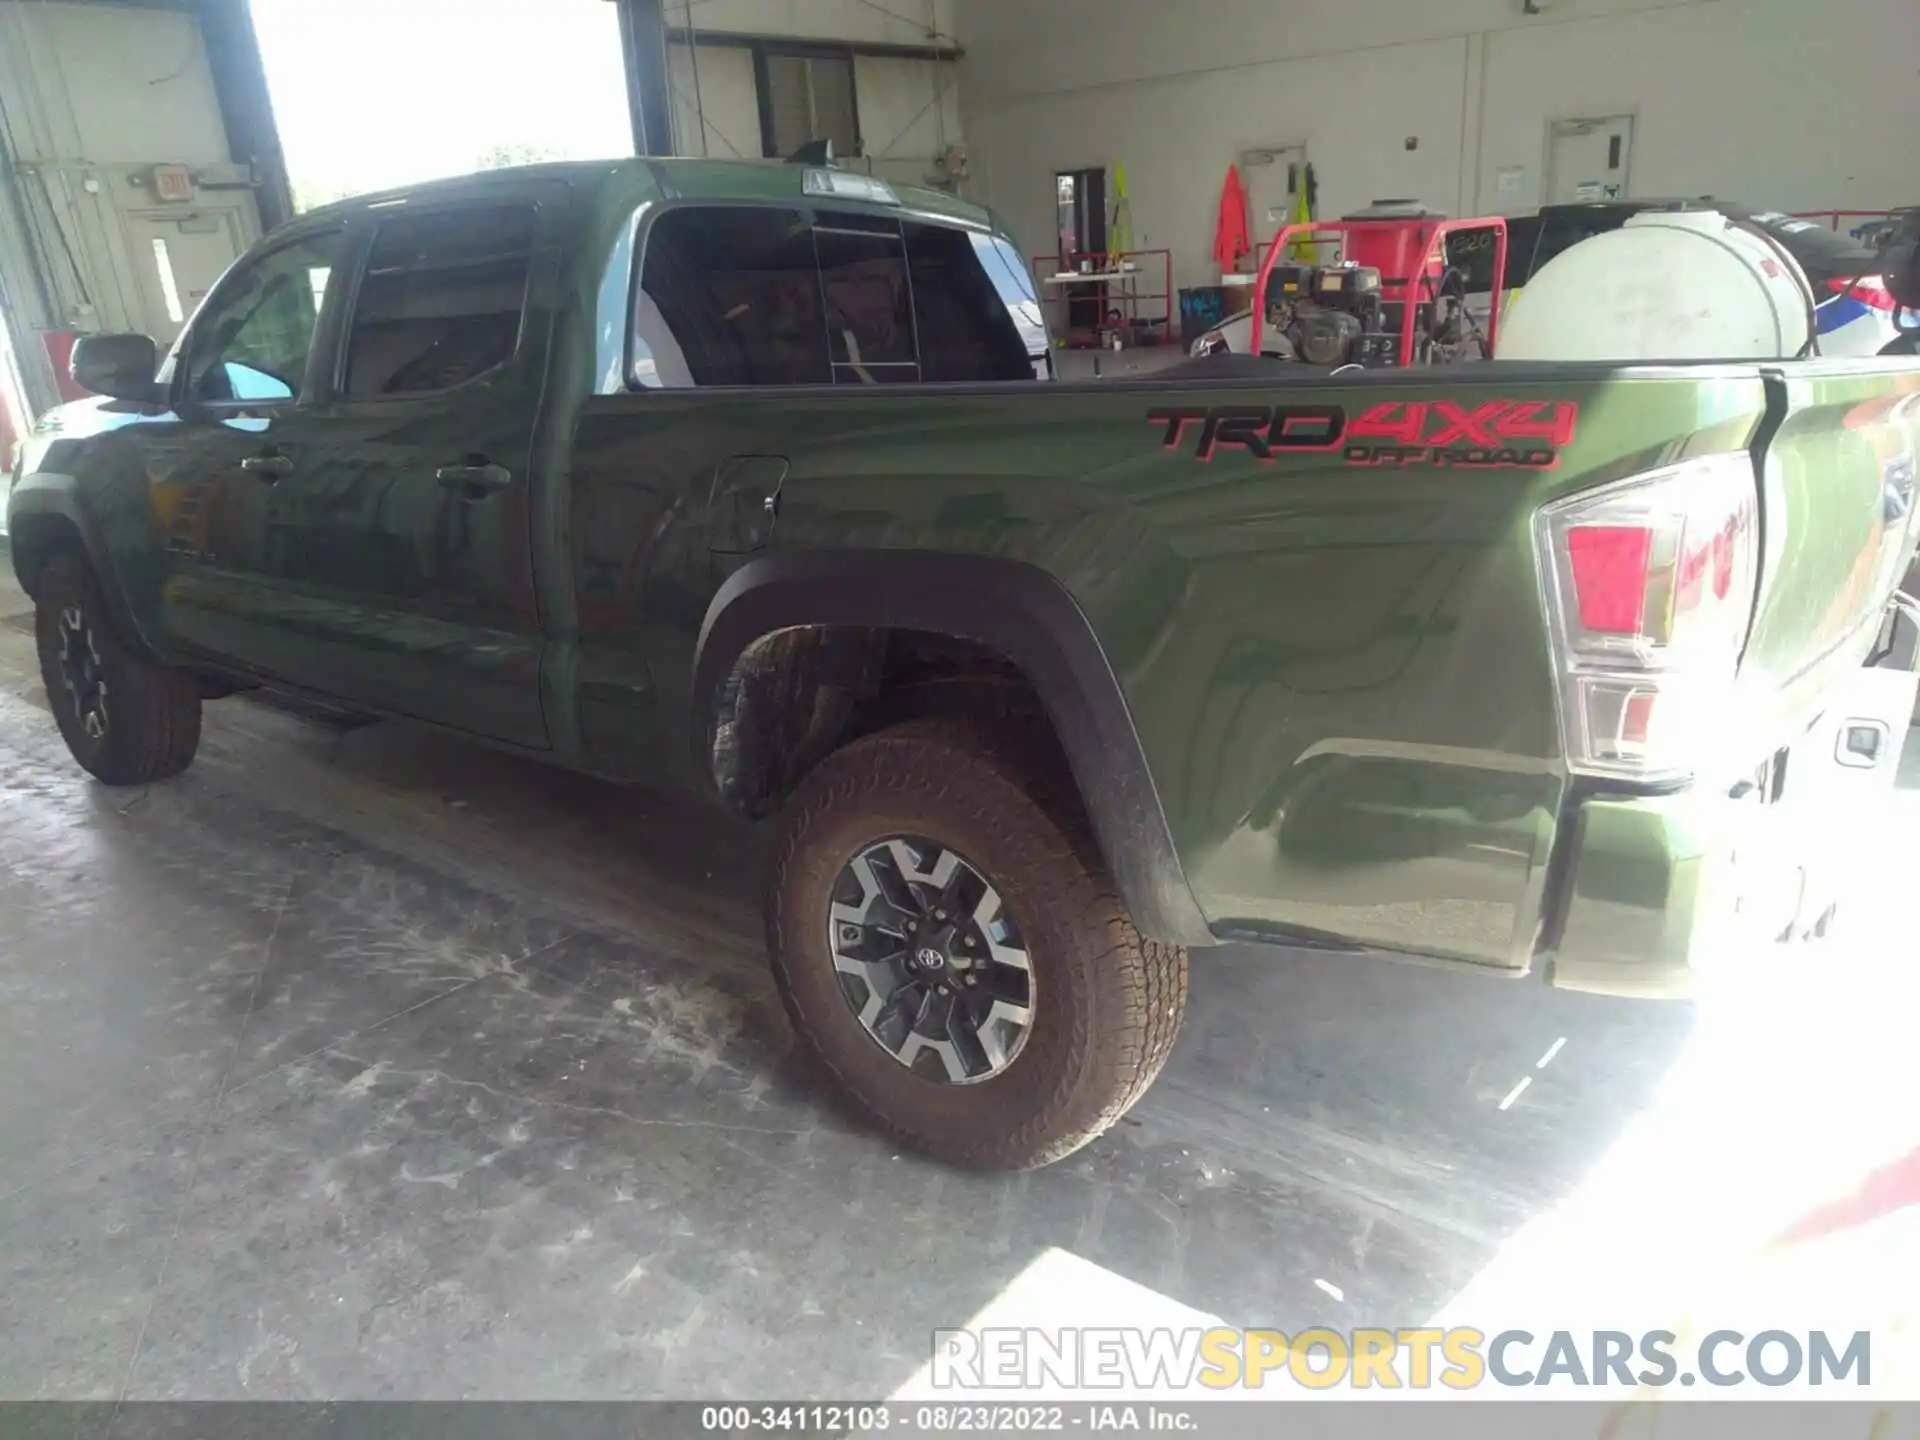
[{"x": 1682, "y": 285}]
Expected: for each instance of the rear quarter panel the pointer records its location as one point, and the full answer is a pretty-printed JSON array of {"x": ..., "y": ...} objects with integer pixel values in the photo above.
[
  {"x": 1840, "y": 487},
  {"x": 1338, "y": 670}
]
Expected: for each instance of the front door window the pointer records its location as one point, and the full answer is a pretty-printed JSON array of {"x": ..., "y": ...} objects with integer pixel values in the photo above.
[{"x": 252, "y": 343}]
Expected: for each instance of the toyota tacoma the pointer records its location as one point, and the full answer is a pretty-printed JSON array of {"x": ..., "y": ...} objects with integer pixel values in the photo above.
[{"x": 754, "y": 478}]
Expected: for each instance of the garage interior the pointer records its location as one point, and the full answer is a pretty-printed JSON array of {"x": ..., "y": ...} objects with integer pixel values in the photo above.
[{"x": 363, "y": 1062}]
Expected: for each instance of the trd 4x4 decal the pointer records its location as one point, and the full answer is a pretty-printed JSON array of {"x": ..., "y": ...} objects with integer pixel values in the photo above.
[{"x": 1499, "y": 434}]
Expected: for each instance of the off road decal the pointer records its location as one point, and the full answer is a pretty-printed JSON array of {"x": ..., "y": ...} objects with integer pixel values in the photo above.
[
  {"x": 1499, "y": 434},
  {"x": 1496, "y": 435}
]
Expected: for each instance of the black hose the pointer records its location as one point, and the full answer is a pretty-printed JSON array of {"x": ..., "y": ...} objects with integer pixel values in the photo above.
[{"x": 1436, "y": 292}]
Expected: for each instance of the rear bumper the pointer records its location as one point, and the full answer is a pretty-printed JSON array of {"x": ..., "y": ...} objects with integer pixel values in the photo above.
[
  {"x": 1656, "y": 891},
  {"x": 1648, "y": 884}
]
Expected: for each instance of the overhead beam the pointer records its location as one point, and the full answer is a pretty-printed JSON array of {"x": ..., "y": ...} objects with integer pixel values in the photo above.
[{"x": 798, "y": 45}]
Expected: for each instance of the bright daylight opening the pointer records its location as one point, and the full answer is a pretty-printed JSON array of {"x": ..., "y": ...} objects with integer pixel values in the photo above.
[{"x": 436, "y": 88}]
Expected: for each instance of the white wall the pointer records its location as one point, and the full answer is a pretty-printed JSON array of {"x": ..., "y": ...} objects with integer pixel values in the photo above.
[
  {"x": 728, "y": 102},
  {"x": 909, "y": 108},
  {"x": 1786, "y": 103},
  {"x": 107, "y": 85},
  {"x": 1021, "y": 47},
  {"x": 92, "y": 97},
  {"x": 1791, "y": 104},
  {"x": 902, "y": 129},
  {"x": 1177, "y": 137}
]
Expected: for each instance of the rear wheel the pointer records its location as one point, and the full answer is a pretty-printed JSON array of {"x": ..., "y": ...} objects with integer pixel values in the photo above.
[
  {"x": 126, "y": 719},
  {"x": 952, "y": 950}
]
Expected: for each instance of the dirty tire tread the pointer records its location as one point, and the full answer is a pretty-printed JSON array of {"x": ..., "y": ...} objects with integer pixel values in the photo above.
[
  {"x": 153, "y": 727},
  {"x": 993, "y": 780}
]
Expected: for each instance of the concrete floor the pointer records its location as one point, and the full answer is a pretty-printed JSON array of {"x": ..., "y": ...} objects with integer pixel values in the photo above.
[{"x": 365, "y": 1063}]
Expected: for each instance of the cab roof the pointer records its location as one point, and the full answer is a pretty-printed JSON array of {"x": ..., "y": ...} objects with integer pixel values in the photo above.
[{"x": 674, "y": 178}]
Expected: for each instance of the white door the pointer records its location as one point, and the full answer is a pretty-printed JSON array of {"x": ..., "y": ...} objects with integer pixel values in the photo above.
[
  {"x": 178, "y": 254},
  {"x": 1271, "y": 173},
  {"x": 1589, "y": 159}
]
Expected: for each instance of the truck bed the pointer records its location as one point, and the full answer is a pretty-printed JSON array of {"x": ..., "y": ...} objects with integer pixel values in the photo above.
[{"x": 1319, "y": 595}]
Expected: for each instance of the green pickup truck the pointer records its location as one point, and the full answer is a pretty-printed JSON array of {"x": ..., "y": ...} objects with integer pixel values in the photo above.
[{"x": 755, "y": 478}]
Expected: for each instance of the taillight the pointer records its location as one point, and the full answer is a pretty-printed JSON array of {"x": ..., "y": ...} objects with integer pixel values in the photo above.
[
  {"x": 1650, "y": 592},
  {"x": 1869, "y": 290}
]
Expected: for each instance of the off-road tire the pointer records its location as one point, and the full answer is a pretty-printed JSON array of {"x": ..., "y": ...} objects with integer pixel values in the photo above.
[
  {"x": 152, "y": 711},
  {"x": 1108, "y": 1003}
]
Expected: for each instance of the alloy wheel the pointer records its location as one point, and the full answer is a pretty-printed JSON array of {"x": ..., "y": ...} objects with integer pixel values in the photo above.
[
  {"x": 930, "y": 962},
  {"x": 81, "y": 672}
]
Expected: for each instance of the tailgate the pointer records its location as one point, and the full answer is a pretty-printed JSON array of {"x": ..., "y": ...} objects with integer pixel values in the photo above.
[{"x": 1838, "y": 531}]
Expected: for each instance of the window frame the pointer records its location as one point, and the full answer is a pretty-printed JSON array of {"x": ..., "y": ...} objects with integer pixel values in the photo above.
[
  {"x": 899, "y": 237},
  {"x": 313, "y": 372},
  {"x": 763, "y": 87},
  {"x": 369, "y": 222},
  {"x": 647, "y": 215}
]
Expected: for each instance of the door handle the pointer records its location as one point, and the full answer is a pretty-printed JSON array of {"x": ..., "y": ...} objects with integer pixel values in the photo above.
[
  {"x": 475, "y": 478},
  {"x": 267, "y": 467}
]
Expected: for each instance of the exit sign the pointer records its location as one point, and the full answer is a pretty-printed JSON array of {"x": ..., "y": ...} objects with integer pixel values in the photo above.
[{"x": 172, "y": 182}]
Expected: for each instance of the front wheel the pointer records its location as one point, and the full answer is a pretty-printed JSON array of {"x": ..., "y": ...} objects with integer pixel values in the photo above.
[
  {"x": 955, "y": 955},
  {"x": 128, "y": 720}
]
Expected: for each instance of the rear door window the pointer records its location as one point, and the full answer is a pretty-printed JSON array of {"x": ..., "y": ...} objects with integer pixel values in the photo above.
[
  {"x": 730, "y": 295},
  {"x": 744, "y": 295},
  {"x": 441, "y": 302}
]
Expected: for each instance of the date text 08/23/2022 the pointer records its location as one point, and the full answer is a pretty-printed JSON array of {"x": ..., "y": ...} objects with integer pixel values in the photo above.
[{"x": 946, "y": 1419}]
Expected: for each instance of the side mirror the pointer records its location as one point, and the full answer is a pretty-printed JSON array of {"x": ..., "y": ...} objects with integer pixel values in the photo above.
[{"x": 121, "y": 366}]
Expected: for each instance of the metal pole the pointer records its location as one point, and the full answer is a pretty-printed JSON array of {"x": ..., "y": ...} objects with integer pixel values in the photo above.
[
  {"x": 246, "y": 106},
  {"x": 693, "y": 56},
  {"x": 643, "y": 45},
  {"x": 939, "y": 90}
]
